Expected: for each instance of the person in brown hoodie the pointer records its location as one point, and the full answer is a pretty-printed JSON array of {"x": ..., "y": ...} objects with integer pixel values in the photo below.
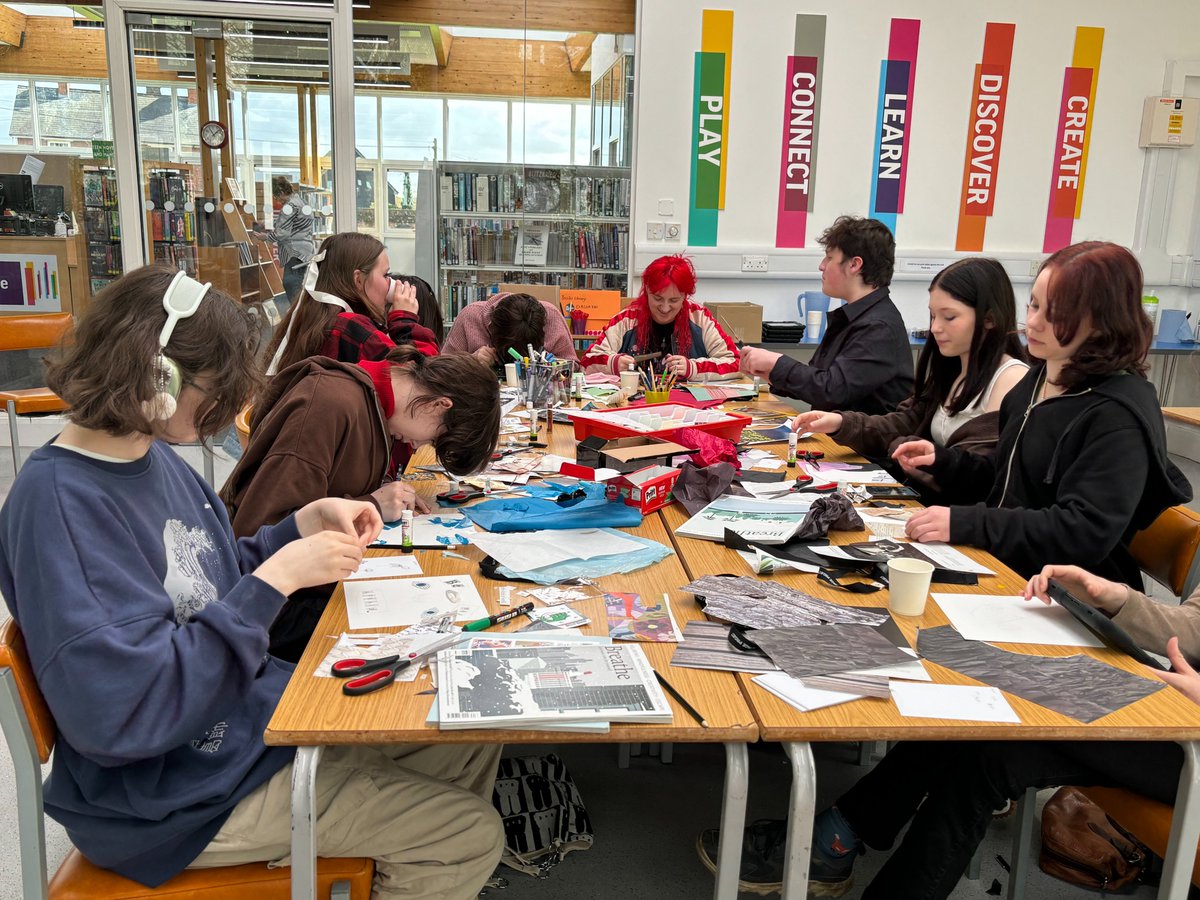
[
  {"x": 972, "y": 359},
  {"x": 325, "y": 428}
]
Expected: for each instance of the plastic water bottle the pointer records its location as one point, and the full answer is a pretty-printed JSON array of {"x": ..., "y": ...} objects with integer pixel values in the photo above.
[{"x": 1150, "y": 308}]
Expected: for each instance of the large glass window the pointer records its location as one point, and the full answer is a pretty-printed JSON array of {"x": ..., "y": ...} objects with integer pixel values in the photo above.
[
  {"x": 70, "y": 114},
  {"x": 478, "y": 130},
  {"x": 547, "y": 132},
  {"x": 410, "y": 126},
  {"x": 366, "y": 125}
]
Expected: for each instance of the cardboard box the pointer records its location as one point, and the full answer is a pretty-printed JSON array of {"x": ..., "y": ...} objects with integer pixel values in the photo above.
[
  {"x": 625, "y": 301},
  {"x": 633, "y": 453},
  {"x": 648, "y": 489},
  {"x": 741, "y": 319}
]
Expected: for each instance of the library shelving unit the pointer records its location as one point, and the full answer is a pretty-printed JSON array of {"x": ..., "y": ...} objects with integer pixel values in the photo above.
[
  {"x": 503, "y": 223},
  {"x": 171, "y": 215},
  {"x": 240, "y": 266},
  {"x": 101, "y": 226}
]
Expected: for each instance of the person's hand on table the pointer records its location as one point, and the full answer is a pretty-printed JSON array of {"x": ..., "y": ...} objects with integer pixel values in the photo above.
[
  {"x": 678, "y": 365},
  {"x": 1107, "y": 596},
  {"x": 397, "y": 496},
  {"x": 322, "y": 558},
  {"x": 932, "y": 524},
  {"x": 356, "y": 519},
  {"x": 757, "y": 361},
  {"x": 817, "y": 422},
  {"x": 913, "y": 454},
  {"x": 402, "y": 297},
  {"x": 624, "y": 363},
  {"x": 486, "y": 355},
  {"x": 1184, "y": 679}
]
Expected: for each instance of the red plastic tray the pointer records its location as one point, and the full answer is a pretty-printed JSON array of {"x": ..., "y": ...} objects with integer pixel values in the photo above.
[{"x": 615, "y": 423}]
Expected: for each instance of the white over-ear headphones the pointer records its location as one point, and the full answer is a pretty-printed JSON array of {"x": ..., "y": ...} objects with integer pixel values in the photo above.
[
  {"x": 181, "y": 301},
  {"x": 310, "y": 288}
]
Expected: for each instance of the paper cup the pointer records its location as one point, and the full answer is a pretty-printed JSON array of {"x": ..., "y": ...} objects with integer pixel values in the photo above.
[
  {"x": 909, "y": 585},
  {"x": 510, "y": 375},
  {"x": 630, "y": 381},
  {"x": 814, "y": 324}
]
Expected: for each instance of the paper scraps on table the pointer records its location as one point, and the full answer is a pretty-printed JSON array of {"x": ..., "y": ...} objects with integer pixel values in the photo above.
[
  {"x": 888, "y": 523},
  {"x": 407, "y": 601},
  {"x": 826, "y": 649},
  {"x": 561, "y": 616},
  {"x": 353, "y": 646},
  {"x": 848, "y": 473},
  {"x": 535, "y": 550},
  {"x": 706, "y": 646},
  {"x": 960, "y": 702},
  {"x": 552, "y": 596},
  {"x": 431, "y": 530},
  {"x": 386, "y": 567},
  {"x": 794, "y": 692},
  {"x": 1078, "y": 686},
  {"x": 768, "y": 604},
  {"x": 630, "y": 619},
  {"x": 1014, "y": 620}
]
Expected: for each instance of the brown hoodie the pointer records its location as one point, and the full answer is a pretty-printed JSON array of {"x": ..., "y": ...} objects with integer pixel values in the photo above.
[{"x": 318, "y": 431}]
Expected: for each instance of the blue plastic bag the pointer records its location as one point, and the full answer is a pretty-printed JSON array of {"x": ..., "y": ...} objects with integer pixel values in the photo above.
[{"x": 536, "y": 513}]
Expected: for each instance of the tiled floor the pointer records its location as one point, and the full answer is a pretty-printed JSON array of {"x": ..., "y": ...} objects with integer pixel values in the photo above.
[{"x": 645, "y": 817}]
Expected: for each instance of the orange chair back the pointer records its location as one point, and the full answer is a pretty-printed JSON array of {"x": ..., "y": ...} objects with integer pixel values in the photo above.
[
  {"x": 1166, "y": 549},
  {"x": 14, "y": 656},
  {"x": 34, "y": 332},
  {"x": 242, "y": 423},
  {"x": 1147, "y": 820}
]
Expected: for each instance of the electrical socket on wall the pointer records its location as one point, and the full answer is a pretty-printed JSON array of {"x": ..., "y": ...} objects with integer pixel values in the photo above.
[
  {"x": 674, "y": 229},
  {"x": 654, "y": 231},
  {"x": 752, "y": 263}
]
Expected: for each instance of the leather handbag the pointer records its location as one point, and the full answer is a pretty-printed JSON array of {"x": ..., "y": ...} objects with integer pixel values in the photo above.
[{"x": 1082, "y": 844}]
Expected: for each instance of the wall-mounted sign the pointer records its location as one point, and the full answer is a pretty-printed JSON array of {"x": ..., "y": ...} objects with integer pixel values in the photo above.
[
  {"x": 893, "y": 124},
  {"x": 801, "y": 121},
  {"x": 710, "y": 126},
  {"x": 30, "y": 283}
]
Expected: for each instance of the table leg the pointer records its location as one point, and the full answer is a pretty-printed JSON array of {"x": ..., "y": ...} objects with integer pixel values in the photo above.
[
  {"x": 1022, "y": 851},
  {"x": 733, "y": 821},
  {"x": 304, "y": 823},
  {"x": 802, "y": 809},
  {"x": 1185, "y": 827}
]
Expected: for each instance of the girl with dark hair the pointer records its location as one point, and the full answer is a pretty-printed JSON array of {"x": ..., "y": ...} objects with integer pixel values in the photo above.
[
  {"x": 349, "y": 308},
  {"x": 429, "y": 308},
  {"x": 146, "y": 623},
  {"x": 323, "y": 428},
  {"x": 488, "y": 328},
  {"x": 973, "y": 357},
  {"x": 663, "y": 319},
  {"x": 1081, "y": 464}
]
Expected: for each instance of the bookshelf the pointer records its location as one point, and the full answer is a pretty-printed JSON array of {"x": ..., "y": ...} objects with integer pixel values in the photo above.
[
  {"x": 228, "y": 257},
  {"x": 99, "y": 221},
  {"x": 557, "y": 225},
  {"x": 171, "y": 216}
]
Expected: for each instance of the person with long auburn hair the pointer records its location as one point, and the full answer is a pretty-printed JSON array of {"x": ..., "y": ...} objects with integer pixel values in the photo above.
[{"x": 663, "y": 319}]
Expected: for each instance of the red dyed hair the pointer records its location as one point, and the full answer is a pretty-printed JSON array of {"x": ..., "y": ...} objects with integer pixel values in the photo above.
[
  {"x": 675, "y": 269},
  {"x": 1102, "y": 282}
]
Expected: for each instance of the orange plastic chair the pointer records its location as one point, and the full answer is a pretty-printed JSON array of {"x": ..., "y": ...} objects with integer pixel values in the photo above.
[
  {"x": 1147, "y": 820},
  {"x": 241, "y": 422},
  {"x": 29, "y": 732},
  {"x": 1166, "y": 550},
  {"x": 33, "y": 332}
]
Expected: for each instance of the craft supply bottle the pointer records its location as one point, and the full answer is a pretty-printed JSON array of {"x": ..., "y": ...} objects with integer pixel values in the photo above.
[
  {"x": 549, "y": 414},
  {"x": 791, "y": 460},
  {"x": 533, "y": 429},
  {"x": 406, "y": 529}
]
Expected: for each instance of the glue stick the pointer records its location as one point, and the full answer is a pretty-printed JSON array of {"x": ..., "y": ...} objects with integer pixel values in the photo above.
[
  {"x": 791, "y": 460},
  {"x": 406, "y": 529},
  {"x": 549, "y": 412},
  {"x": 533, "y": 413}
]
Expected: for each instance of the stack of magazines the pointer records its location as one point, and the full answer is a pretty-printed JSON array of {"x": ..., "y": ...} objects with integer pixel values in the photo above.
[{"x": 495, "y": 682}]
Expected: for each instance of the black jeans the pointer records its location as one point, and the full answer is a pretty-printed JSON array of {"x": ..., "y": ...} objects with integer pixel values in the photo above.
[{"x": 961, "y": 783}]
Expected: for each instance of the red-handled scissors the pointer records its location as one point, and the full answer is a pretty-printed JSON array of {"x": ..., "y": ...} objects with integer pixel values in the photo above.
[{"x": 367, "y": 675}]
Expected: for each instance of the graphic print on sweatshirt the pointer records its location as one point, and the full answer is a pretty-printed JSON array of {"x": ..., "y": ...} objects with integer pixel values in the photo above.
[{"x": 187, "y": 581}]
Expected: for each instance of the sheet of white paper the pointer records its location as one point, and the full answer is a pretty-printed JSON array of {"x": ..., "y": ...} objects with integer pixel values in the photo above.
[
  {"x": 386, "y": 567},
  {"x": 793, "y": 692},
  {"x": 526, "y": 551},
  {"x": 886, "y": 526},
  {"x": 407, "y": 601},
  {"x": 946, "y": 557},
  {"x": 909, "y": 671},
  {"x": 32, "y": 166},
  {"x": 757, "y": 559},
  {"x": 959, "y": 702},
  {"x": 769, "y": 490},
  {"x": 823, "y": 472},
  {"x": 1014, "y": 620}
]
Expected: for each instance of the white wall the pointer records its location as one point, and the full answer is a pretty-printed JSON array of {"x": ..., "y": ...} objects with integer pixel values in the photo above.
[{"x": 1138, "y": 40}]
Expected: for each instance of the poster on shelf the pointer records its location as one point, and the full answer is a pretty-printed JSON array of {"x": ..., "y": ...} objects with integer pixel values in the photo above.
[
  {"x": 30, "y": 283},
  {"x": 533, "y": 242},
  {"x": 600, "y": 306}
]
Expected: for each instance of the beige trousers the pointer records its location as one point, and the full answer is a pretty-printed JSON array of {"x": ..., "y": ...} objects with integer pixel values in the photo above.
[{"x": 422, "y": 812}]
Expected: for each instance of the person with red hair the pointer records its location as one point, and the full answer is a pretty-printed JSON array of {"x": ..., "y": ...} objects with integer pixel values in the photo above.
[{"x": 663, "y": 319}]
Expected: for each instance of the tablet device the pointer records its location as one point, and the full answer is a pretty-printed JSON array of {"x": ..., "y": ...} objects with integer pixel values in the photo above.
[{"x": 1102, "y": 626}]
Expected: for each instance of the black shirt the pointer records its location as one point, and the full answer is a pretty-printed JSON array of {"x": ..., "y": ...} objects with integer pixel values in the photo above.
[{"x": 863, "y": 363}]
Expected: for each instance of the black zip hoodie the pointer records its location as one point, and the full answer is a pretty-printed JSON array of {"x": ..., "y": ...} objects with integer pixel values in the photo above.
[{"x": 1072, "y": 479}]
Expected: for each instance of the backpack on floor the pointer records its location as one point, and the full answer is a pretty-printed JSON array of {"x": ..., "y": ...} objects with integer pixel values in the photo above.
[
  {"x": 543, "y": 814},
  {"x": 1082, "y": 844}
]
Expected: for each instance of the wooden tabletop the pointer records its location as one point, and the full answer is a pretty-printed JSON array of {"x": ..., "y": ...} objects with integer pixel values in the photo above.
[
  {"x": 313, "y": 710},
  {"x": 1166, "y": 715},
  {"x": 1189, "y": 415}
]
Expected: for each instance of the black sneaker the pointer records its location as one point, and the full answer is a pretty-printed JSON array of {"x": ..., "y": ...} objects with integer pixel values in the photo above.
[
  {"x": 830, "y": 875},
  {"x": 761, "y": 870}
]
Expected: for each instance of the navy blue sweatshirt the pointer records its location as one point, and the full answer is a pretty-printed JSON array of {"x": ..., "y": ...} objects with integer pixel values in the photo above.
[{"x": 149, "y": 642}]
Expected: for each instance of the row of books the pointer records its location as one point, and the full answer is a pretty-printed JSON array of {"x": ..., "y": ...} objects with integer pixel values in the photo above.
[
  {"x": 103, "y": 225},
  {"x": 162, "y": 186},
  {"x": 104, "y": 261},
  {"x": 502, "y": 242},
  {"x": 177, "y": 256},
  {"x": 172, "y": 226},
  {"x": 100, "y": 189},
  {"x": 547, "y": 191}
]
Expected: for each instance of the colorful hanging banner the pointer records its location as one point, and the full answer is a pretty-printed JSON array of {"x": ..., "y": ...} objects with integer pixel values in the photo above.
[
  {"x": 1075, "y": 113},
  {"x": 893, "y": 125},
  {"x": 801, "y": 118},
  {"x": 710, "y": 121},
  {"x": 984, "y": 136}
]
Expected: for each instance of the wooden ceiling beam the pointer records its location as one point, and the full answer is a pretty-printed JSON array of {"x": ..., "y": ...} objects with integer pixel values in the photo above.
[
  {"x": 598, "y": 16},
  {"x": 442, "y": 41},
  {"x": 12, "y": 26},
  {"x": 579, "y": 50}
]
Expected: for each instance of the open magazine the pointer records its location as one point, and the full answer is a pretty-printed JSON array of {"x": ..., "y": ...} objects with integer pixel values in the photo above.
[
  {"x": 763, "y": 521},
  {"x": 511, "y": 687}
]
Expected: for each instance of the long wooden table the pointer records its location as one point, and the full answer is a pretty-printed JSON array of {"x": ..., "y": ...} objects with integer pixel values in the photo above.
[
  {"x": 1164, "y": 716},
  {"x": 313, "y": 712}
]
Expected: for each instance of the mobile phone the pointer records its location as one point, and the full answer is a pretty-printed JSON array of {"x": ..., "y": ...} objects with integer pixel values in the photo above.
[{"x": 891, "y": 492}]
